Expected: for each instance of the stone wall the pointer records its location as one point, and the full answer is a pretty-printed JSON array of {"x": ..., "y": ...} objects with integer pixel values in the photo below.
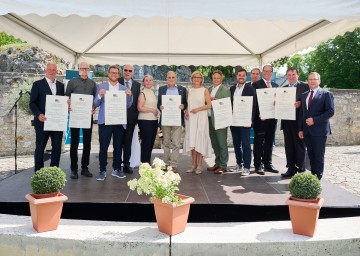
[{"x": 345, "y": 125}]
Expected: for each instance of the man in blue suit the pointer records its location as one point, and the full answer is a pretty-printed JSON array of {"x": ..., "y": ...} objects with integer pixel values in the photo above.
[
  {"x": 116, "y": 131},
  {"x": 39, "y": 90},
  {"x": 172, "y": 134},
  {"x": 317, "y": 107}
]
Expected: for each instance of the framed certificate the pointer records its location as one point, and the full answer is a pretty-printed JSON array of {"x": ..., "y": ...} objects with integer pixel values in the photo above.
[
  {"x": 171, "y": 114},
  {"x": 56, "y": 112},
  {"x": 81, "y": 110},
  {"x": 115, "y": 107}
]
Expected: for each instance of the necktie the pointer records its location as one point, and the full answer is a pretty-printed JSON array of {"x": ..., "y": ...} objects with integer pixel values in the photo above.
[
  {"x": 127, "y": 84},
  {"x": 268, "y": 84},
  {"x": 310, "y": 98}
]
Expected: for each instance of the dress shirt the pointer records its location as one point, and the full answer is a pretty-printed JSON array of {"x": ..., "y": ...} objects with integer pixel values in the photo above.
[
  {"x": 307, "y": 98},
  {"x": 52, "y": 85}
]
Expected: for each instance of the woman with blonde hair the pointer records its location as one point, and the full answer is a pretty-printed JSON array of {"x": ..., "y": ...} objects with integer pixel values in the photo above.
[
  {"x": 197, "y": 141},
  {"x": 148, "y": 118}
]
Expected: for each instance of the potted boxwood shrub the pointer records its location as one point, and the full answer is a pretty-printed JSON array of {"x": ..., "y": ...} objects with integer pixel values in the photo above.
[
  {"x": 304, "y": 203},
  {"x": 46, "y": 201},
  {"x": 171, "y": 209}
]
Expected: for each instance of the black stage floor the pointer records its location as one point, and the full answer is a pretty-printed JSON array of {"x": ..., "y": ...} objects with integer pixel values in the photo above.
[{"x": 218, "y": 198}]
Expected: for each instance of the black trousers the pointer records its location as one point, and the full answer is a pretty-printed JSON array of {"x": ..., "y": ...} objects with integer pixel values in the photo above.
[
  {"x": 295, "y": 149},
  {"x": 74, "y": 145},
  {"x": 127, "y": 144},
  {"x": 148, "y": 130},
  {"x": 263, "y": 141},
  {"x": 42, "y": 138}
]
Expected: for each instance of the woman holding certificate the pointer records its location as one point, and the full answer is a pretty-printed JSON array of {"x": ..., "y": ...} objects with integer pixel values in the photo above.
[
  {"x": 197, "y": 140},
  {"x": 148, "y": 118}
]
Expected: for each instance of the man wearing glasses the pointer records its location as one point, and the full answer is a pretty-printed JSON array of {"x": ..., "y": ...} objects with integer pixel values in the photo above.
[
  {"x": 115, "y": 131},
  {"x": 172, "y": 134},
  {"x": 81, "y": 85},
  {"x": 132, "y": 114},
  {"x": 317, "y": 107}
]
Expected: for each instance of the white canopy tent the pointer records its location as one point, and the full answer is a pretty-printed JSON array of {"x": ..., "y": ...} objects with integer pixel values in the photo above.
[{"x": 170, "y": 32}]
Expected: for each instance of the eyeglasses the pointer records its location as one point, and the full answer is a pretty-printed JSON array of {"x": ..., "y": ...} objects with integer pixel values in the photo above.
[
  {"x": 128, "y": 70},
  {"x": 114, "y": 73},
  {"x": 314, "y": 79},
  {"x": 84, "y": 69},
  {"x": 197, "y": 77}
]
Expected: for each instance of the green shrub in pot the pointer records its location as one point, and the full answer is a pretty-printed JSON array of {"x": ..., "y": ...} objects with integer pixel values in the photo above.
[
  {"x": 48, "y": 180},
  {"x": 305, "y": 186}
]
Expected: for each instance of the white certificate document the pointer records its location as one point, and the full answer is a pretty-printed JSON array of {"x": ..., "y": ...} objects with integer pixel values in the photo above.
[
  {"x": 242, "y": 111},
  {"x": 81, "y": 110},
  {"x": 171, "y": 114},
  {"x": 266, "y": 101},
  {"x": 56, "y": 112},
  {"x": 284, "y": 106},
  {"x": 115, "y": 107},
  {"x": 222, "y": 112}
]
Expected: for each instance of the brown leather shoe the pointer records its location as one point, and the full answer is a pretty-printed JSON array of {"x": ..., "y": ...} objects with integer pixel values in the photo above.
[
  {"x": 220, "y": 170},
  {"x": 212, "y": 169}
]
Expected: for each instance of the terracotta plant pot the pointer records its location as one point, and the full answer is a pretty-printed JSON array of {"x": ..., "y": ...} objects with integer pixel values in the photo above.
[
  {"x": 172, "y": 218},
  {"x": 304, "y": 215},
  {"x": 46, "y": 212}
]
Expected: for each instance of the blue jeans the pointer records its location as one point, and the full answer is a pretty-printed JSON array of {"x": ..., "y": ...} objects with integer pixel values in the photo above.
[
  {"x": 241, "y": 142},
  {"x": 117, "y": 133}
]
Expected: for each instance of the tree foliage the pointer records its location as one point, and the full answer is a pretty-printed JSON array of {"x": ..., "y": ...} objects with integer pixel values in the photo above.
[
  {"x": 6, "y": 39},
  {"x": 337, "y": 61}
]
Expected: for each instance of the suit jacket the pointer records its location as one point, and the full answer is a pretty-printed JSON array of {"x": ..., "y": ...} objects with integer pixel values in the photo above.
[
  {"x": 260, "y": 85},
  {"x": 101, "y": 102},
  {"x": 301, "y": 87},
  {"x": 38, "y": 94},
  {"x": 132, "y": 111},
  {"x": 321, "y": 110},
  {"x": 182, "y": 93},
  {"x": 247, "y": 91},
  {"x": 222, "y": 92}
]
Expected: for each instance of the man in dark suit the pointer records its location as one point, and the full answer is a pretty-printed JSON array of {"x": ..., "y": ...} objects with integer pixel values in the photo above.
[
  {"x": 317, "y": 107},
  {"x": 264, "y": 129},
  {"x": 294, "y": 147},
  {"x": 172, "y": 134},
  {"x": 39, "y": 90},
  {"x": 254, "y": 75},
  {"x": 241, "y": 134},
  {"x": 132, "y": 114}
]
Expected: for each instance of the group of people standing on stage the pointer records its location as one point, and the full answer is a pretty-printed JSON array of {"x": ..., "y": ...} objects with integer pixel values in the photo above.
[{"x": 314, "y": 107}]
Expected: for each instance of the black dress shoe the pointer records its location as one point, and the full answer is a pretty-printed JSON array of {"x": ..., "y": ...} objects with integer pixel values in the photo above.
[
  {"x": 289, "y": 173},
  {"x": 271, "y": 168},
  {"x": 128, "y": 169},
  {"x": 259, "y": 170},
  {"x": 74, "y": 175},
  {"x": 86, "y": 172}
]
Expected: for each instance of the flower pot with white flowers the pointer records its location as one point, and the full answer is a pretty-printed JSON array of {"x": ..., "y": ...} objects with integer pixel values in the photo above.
[
  {"x": 160, "y": 183},
  {"x": 304, "y": 203},
  {"x": 46, "y": 201}
]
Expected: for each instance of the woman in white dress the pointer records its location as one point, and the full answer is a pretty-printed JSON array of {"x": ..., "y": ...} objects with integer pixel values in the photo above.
[{"x": 197, "y": 141}]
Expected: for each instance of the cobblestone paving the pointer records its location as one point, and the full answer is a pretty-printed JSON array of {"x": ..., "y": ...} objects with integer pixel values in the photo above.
[{"x": 342, "y": 166}]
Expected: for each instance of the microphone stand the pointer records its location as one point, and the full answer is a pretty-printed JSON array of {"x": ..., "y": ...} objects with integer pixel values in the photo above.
[{"x": 15, "y": 106}]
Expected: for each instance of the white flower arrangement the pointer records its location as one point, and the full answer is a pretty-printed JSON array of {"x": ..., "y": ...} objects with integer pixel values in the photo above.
[{"x": 158, "y": 181}]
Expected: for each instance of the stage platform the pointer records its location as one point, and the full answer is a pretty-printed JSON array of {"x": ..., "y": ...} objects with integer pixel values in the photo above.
[{"x": 218, "y": 198}]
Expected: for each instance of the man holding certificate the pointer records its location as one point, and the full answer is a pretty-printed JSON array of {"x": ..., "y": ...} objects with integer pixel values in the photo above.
[
  {"x": 264, "y": 128},
  {"x": 113, "y": 99},
  {"x": 40, "y": 89},
  {"x": 83, "y": 90},
  {"x": 172, "y": 103},
  {"x": 243, "y": 103},
  {"x": 218, "y": 137},
  {"x": 294, "y": 146}
]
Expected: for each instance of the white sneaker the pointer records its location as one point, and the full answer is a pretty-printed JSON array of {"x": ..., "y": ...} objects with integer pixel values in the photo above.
[
  {"x": 237, "y": 168},
  {"x": 245, "y": 172}
]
